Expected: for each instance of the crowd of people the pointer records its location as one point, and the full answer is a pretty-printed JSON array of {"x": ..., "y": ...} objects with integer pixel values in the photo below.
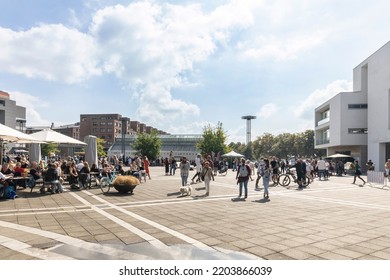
[
  {"x": 77, "y": 172},
  {"x": 18, "y": 172}
]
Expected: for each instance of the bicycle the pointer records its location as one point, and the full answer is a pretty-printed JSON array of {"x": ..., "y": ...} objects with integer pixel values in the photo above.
[
  {"x": 106, "y": 183},
  {"x": 285, "y": 179}
]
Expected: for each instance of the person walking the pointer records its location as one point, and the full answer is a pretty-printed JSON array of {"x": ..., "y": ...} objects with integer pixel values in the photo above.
[
  {"x": 265, "y": 173},
  {"x": 198, "y": 167},
  {"x": 259, "y": 173},
  {"x": 242, "y": 176},
  {"x": 207, "y": 175},
  {"x": 184, "y": 171},
  {"x": 146, "y": 163},
  {"x": 358, "y": 172}
]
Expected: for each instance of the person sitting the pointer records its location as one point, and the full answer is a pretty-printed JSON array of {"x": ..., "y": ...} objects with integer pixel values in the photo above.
[
  {"x": 35, "y": 175},
  {"x": 7, "y": 190},
  {"x": 96, "y": 173},
  {"x": 73, "y": 175},
  {"x": 134, "y": 170},
  {"x": 107, "y": 171},
  {"x": 51, "y": 176},
  {"x": 84, "y": 175}
]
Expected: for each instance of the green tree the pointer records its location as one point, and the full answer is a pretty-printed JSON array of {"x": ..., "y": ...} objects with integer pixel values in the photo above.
[
  {"x": 100, "y": 147},
  {"x": 213, "y": 140},
  {"x": 148, "y": 145},
  {"x": 46, "y": 149}
]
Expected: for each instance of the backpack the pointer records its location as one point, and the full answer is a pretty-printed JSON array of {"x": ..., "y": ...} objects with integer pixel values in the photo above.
[{"x": 243, "y": 171}]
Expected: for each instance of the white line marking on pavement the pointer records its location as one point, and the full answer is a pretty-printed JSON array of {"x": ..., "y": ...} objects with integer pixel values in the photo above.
[
  {"x": 179, "y": 235},
  {"x": 152, "y": 240},
  {"x": 95, "y": 247},
  {"x": 26, "y": 249}
]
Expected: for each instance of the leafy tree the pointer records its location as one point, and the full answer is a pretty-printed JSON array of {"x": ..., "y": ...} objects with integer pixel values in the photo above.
[
  {"x": 238, "y": 147},
  {"x": 46, "y": 149},
  {"x": 213, "y": 140},
  {"x": 285, "y": 145},
  {"x": 100, "y": 147},
  {"x": 148, "y": 145}
]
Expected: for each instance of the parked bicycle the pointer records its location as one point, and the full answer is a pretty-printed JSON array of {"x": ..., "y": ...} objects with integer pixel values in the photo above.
[
  {"x": 106, "y": 183},
  {"x": 286, "y": 178}
]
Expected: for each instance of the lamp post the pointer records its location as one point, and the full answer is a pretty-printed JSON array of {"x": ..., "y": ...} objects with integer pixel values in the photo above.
[{"x": 248, "y": 134}]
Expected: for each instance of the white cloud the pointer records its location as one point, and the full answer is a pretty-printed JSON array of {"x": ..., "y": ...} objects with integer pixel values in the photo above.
[
  {"x": 33, "y": 105},
  {"x": 50, "y": 52},
  {"x": 319, "y": 96},
  {"x": 282, "y": 48},
  {"x": 267, "y": 110}
]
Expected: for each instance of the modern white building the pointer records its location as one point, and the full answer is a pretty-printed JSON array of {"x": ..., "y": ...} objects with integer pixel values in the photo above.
[{"x": 358, "y": 122}]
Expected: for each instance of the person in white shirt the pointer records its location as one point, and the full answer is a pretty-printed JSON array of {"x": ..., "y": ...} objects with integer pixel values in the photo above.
[{"x": 321, "y": 166}]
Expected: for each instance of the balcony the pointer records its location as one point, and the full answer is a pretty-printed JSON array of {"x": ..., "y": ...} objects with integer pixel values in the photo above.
[
  {"x": 322, "y": 141},
  {"x": 323, "y": 121}
]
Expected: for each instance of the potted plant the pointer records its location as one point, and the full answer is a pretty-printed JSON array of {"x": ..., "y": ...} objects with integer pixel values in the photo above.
[{"x": 125, "y": 183}]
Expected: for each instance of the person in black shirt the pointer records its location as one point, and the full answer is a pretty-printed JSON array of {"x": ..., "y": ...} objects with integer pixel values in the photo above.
[{"x": 52, "y": 176}]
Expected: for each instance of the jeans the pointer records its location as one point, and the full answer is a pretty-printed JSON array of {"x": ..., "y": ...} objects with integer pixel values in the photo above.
[
  {"x": 245, "y": 185},
  {"x": 266, "y": 184},
  {"x": 184, "y": 180}
]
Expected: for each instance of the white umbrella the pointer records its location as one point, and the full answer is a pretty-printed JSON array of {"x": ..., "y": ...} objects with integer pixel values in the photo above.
[
  {"x": 338, "y": 156},
  {"x": 8, "y": 134},
  {"x": 50, "y": 136},
  {"x": 232, "y": 154}
]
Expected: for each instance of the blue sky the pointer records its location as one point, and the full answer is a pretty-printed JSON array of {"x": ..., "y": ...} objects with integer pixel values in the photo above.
[{"x": 180, "y": 65}]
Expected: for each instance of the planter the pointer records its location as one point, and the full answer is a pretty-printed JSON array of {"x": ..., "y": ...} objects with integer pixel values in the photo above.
[
  {"x": 125, "y": 184},
  {"x": 125, "y": 188}
]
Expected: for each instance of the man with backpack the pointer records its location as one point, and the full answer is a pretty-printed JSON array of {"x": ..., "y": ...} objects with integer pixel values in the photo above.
[{"x": 242, "y": 176}]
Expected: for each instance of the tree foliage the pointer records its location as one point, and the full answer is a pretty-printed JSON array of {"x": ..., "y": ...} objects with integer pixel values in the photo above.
[
  {"x": 148, "y": 145},
  {"x": 47, "y": 149},
  {"x": 100, "y": 147},
  {"x": 213, "y": 140},
  {"x": 286, "y": 145}
]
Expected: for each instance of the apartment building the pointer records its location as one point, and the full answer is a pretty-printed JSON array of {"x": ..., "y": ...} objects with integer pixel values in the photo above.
[
  {"x": 105, "y": 126},
  {"x": 358, "y": 122}
]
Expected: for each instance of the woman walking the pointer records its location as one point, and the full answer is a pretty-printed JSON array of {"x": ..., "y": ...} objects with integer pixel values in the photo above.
[
  {"x": 184, "y": 171},
  {"x": 207, "y": 175},
  {"x": 242, "y": 176},
  {"x": 358, "y": 172},
  {"x": 266, "y": 174}
]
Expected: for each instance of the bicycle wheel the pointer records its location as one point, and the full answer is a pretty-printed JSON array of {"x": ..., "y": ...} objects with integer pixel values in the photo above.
[
  {"x": 104, "y": 185},
  {"x": 284, "y": 180},
  {"x": 306, "y": 182}
]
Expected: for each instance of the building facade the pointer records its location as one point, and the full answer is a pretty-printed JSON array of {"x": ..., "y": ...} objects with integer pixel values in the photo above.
[
  {"x": 11, "y": 114},
  {"x": 357, "y": 123},
  {"x": 178, "y": 146},
  {"x": 104, "y": 126}
]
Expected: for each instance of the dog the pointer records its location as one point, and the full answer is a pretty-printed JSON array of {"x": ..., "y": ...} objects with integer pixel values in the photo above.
[{"x": 186, "y": 190}]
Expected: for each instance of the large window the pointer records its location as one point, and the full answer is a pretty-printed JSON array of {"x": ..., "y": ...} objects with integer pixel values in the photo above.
[
  {"x": 357, "y": 106},
  {"x": 357, "y": 130}
]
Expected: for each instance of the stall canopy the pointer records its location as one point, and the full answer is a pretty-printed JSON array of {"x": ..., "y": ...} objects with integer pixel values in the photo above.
[
  {"x": 8, "y": 134},
  {"x": 232, "y": 154},
  {"x": 50, "y": 136},
  {"x": 338, "y": 156}
]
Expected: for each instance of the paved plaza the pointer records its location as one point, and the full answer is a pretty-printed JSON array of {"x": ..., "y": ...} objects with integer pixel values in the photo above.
[{"x": 332, "y": 219}]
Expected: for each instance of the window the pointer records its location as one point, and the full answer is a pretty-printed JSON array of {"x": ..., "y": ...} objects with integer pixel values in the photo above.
[
  {"x": 357, "y": 106},
  {"x": 357, "y": 130}
]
